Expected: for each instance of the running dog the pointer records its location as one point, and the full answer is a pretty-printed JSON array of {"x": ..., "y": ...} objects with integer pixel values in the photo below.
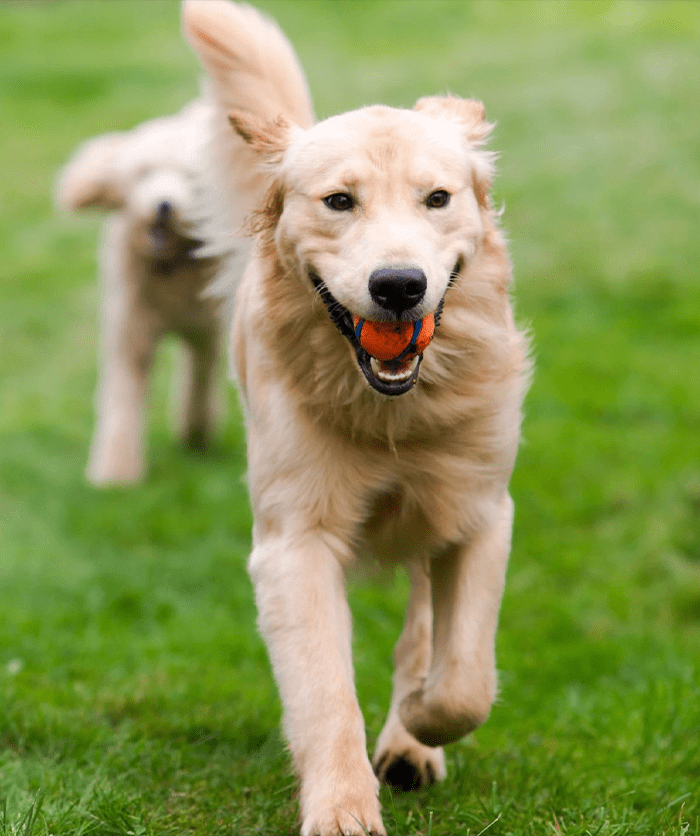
[
  {"x": 152, "y": 281},
  {"x": 377, "y": 216}
]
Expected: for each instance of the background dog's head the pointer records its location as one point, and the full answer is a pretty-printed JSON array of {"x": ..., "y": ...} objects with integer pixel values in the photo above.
[{"x": 149, "y": 173}]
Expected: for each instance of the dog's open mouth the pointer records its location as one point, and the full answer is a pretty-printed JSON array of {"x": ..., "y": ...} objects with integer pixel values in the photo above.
[
  {"x": 394, "y": 371},
  {"x": 390, "y": 377},
  {"x": 394, "y": 376},
  {"x": 172, "y": 247}
]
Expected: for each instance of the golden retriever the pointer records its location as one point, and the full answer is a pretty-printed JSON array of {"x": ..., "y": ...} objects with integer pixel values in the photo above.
[
  {"x": 380, "y": 214},
  {"x": 152, "y": 280}
]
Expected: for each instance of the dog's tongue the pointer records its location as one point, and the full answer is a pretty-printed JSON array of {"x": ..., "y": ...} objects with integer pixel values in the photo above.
[{"x": 395, "y": 366}]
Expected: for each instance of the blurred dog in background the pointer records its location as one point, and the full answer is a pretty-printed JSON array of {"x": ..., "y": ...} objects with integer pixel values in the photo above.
[{"x": 153, "y": 272}]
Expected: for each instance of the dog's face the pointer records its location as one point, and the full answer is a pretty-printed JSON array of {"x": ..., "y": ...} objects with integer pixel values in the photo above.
[
  {"x": 381, "y": 210},
  {"x": 160, "y": 202},
  {"x": 150, "y": 174},
  {"x": 379, "y": 205}
]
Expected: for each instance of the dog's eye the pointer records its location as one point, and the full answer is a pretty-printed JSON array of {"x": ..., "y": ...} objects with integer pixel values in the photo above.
[
  {"x": 339, "y": 202},
  {"x": 438, "y": 199}
]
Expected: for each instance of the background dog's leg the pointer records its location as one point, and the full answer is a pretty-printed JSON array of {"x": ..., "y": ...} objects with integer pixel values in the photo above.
[
  {"x": 305, "y": 619},
  {"x": 400, "y": 760},
  {"x": 467, "y": 586},
  {"x": 195, "y": 393},
  {"x": 116, "y": 453}
]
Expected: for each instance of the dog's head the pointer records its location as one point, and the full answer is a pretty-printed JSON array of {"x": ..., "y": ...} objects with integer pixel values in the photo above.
[
  {"x": 149, "y": 173},
  {"x": 380, "y": 209}
]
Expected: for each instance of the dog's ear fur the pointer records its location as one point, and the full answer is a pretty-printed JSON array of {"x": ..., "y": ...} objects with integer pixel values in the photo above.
[
  {"x": 90, "y": 179},
  {"x": 268, "y": 140},
  {"x": 470, "y": 114}
]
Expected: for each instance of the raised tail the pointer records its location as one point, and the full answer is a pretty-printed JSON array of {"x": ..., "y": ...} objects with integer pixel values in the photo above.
[{"x": 251, "y": 64}]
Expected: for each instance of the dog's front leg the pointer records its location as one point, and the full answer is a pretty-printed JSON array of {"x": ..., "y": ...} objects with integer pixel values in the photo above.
[
  {"x": 117, "y": 448},
  {"x": 305, "y": 620},
  {"x": 400, "y": 760},
  {"x": 467, "y": 586}
]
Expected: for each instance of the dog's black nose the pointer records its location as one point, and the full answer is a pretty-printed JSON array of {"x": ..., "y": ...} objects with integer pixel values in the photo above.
[
  {"x": 164, "y": 210},
  {"x": 397, "y": 288}
]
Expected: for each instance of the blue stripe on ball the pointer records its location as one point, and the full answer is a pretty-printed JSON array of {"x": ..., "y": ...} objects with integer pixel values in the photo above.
[
  {"x": 417, "y": 325},
  {"x": 358, "y": 328}
]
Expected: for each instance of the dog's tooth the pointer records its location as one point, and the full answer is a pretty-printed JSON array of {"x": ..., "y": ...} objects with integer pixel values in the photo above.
[{"x": 393, "y": 376}]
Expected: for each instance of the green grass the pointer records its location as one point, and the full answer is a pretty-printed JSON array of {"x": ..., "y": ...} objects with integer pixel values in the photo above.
[{"x": 135, "y": 693}]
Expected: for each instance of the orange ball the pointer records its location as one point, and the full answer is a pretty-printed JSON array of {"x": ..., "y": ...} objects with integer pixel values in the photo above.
[{"x": 387, "y": 340}]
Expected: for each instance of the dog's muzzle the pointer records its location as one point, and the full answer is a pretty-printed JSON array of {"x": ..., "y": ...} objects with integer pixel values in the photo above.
[
  {"x": 170, "y": 243},
  {"x": 388, "y": 378}
]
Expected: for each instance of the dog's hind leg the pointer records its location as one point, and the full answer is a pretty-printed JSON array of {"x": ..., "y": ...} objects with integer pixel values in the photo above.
[
  {"x": 400, "y": 760},
  {"x": 305, "y": 619},
  {"x": 196, "y": 400},
  {"x": 467, "y": 586}
]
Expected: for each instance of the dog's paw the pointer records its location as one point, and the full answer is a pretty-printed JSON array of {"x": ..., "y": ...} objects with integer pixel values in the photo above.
[
  {"x": 349, "y": 812},
  {"x": 103, "y": 471},
  {"x": 437, "y": 721},
  {"x": 337, "y": 819},
  {"x": 411, "y": 769},
  {"x": 196, "y": 438},
  {"x": 405, "y": 764}
]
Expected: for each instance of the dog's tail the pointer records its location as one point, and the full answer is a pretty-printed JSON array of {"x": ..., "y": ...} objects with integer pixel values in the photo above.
[{"x": 251, "y": 66}]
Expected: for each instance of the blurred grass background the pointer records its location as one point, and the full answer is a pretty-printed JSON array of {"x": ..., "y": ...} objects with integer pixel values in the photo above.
[{"x": 135, "y": 694}]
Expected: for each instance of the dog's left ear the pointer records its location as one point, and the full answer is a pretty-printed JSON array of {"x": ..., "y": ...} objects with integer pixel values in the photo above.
[
  {"x": 91, "y": 179},
  {"x": 470, "y": 115}
]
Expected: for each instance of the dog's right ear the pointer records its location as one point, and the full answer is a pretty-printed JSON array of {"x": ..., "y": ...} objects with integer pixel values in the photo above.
[
  {"x": 470, "y": 115},
  {"x": 268, "y": 140},
  {"x": 91, "y": 178}
]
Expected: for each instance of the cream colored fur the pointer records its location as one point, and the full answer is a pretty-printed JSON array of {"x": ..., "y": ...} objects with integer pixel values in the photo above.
[
  {"x": 338, "y": 471},
  {"x": 152, "y": 282}
]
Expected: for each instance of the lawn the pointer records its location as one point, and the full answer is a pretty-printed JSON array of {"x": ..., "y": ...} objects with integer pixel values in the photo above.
[{"x": 135, "y": 693}]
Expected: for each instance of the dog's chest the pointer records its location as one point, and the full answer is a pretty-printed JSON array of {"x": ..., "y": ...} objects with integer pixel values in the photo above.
[
  {"x": 402, "y": 522},
  {"x": 429, "y": 499},
  {"x": 394, "y": 527}
]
